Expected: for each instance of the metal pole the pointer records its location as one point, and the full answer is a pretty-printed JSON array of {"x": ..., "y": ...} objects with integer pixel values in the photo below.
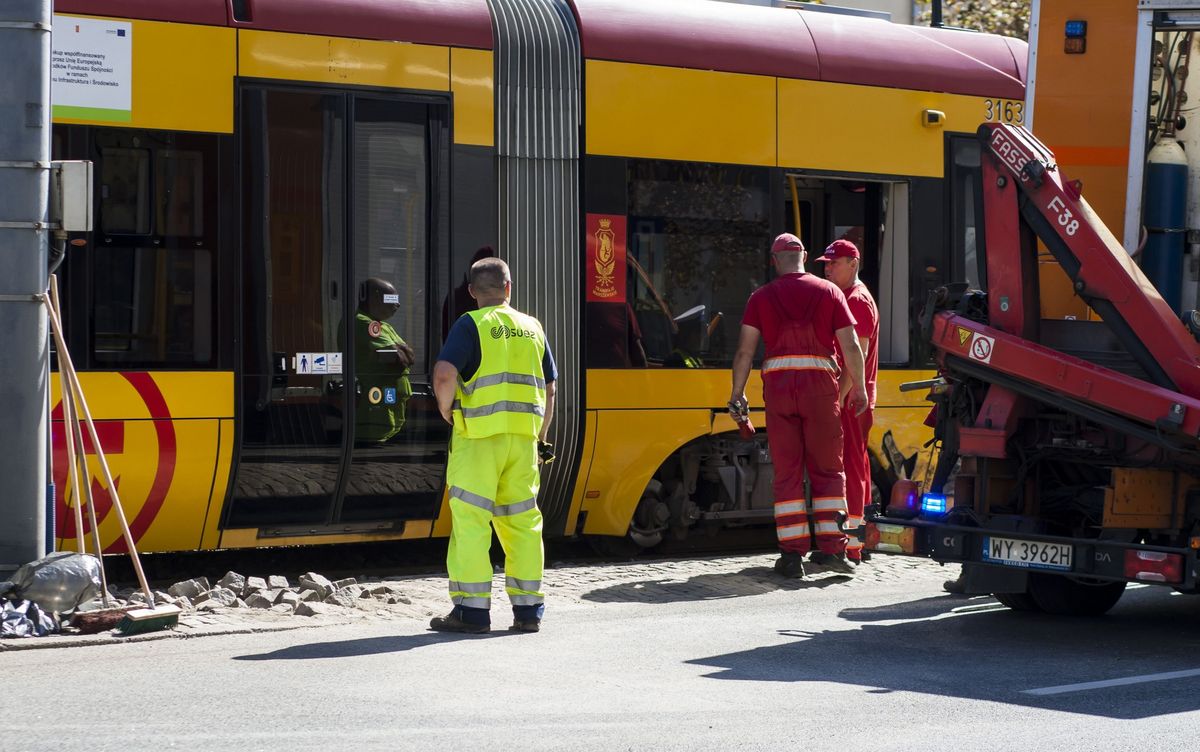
[
  {"x": 24, "y": 204},
  {"x": 936, "y": 14},
  {"x": 1139, "y": 118},
  {"x": 1035, "y": 26}
]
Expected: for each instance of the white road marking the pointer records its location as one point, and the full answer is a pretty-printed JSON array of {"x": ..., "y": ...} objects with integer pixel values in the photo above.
[{"x": 1084, "y": 686}]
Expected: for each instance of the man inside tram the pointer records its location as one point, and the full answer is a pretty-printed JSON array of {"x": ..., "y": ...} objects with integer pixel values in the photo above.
[{"x": 382, "y": 360}]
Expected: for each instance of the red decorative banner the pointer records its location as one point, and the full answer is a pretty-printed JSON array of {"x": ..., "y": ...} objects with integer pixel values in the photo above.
[{"x": 605, "y": 258}]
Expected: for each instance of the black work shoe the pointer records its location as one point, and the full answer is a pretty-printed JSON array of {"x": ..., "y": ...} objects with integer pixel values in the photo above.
[
  {"x": 866, "y": 555},
  {"x": 832, "y": 562},
  {"x": 790, "y": 565},
  {"x": 452, "y": 623},
  {"x": 958, "y": 587},
  {"x": 526, "y": 625}
]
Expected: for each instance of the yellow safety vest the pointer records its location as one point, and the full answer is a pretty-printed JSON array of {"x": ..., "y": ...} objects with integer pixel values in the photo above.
[{"x": 507, "y": 393}]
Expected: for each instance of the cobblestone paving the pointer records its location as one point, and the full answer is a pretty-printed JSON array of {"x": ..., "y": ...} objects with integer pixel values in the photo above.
[
  {"x": 724, "y": 577},
  {"x": 572, "y": 585}
]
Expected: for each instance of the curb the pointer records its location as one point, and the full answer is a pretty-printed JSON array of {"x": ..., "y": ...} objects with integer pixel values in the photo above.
[{"x": 81, "y": 641}]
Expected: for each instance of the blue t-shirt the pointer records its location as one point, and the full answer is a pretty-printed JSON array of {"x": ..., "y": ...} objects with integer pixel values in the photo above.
[{"x": 462, "y": 350}]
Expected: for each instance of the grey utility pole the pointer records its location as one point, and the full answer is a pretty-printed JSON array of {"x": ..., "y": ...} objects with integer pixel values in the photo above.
[{"x": 24, "y": 204}]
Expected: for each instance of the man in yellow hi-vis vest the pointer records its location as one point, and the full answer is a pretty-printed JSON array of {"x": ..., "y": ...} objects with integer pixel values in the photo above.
[{"x": 495, "y": 382}]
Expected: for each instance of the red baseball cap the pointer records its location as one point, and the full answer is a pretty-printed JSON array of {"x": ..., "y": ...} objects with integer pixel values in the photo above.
[
  {"x": 839, "y": 249},
  {"x": 787, "y": 243}
]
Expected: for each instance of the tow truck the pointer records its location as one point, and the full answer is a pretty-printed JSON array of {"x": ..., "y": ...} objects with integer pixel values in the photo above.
[{"x": 1069, "y": 461}]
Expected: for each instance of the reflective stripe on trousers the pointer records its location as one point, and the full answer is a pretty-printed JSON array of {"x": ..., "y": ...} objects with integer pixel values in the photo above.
[
  {"x": 471, "y": 594},
  {"x": 486, "y": 504},
  {"x": 523, "y": 592}
]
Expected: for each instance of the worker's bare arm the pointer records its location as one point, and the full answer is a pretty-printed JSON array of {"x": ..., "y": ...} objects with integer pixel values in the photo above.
[
  {"x": 445, "y": 384},
  {"x": 743, "y": 360},
  {"x": 854, "y": 364}
]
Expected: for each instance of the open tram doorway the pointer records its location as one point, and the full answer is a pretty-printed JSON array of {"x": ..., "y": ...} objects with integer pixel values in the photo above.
[
  {"x": 874, "y": 216},
  {"x": 343, "y": 208}
]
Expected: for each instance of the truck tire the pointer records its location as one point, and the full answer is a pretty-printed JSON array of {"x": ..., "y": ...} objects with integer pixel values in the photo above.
[
  {"x": 1017, "y": 601},
  {"x": 1068, "y": 596}
]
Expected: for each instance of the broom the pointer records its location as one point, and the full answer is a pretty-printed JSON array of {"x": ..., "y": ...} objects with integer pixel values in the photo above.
[
  {"x": 87, "y": 622},
  {"x": 138, "y": 620},
  {"x": 77, "y": 461}
]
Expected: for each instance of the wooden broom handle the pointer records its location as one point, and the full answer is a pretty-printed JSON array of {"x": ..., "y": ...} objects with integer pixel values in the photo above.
[
  {"x": 67, "y": 368},
  {"x": 79, "y": 471},
  {"x": 69, "y": 436}
]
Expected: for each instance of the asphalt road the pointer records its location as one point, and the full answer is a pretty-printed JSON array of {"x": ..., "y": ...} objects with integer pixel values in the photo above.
[{"x": 655, "y": 658}]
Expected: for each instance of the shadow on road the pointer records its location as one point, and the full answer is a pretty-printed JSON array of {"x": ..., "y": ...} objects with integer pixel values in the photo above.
[
  {"x": 975, "y": 649},
  {"x": 366, "y": 646},
  {"x": 706, "y": 587},
  {"x": 923, "y": 608}
]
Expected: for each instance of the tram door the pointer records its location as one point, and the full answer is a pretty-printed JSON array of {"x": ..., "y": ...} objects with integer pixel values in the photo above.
[{"x": 338, "y": 427}]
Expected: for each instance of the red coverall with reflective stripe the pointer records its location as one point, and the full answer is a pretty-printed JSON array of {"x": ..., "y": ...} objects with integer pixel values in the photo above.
[
  {"x": 856, "y": 429},
  {"x": 800, "y": 388}
]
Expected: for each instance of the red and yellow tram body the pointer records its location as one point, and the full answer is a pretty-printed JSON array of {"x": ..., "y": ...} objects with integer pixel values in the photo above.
[{"x": 272, "y": 155}]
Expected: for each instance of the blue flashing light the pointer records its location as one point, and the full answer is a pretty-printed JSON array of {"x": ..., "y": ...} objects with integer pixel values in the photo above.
[
  {"x": 1076, "y": 29},
  {"x": 933, "y": 504}
]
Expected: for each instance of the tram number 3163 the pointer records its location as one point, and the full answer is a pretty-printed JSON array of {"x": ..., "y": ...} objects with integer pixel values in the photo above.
[{"x": 1004, "y": 111}]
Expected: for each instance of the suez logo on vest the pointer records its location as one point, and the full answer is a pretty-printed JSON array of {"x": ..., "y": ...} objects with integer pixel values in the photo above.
[{"x": 505, "y": 331}]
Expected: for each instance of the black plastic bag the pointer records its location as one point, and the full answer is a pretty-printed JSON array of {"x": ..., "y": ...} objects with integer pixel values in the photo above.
[{"x": 19, "y": 618}]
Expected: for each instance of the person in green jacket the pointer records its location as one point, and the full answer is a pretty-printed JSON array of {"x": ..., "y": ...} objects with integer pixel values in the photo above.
[{"x": 382, "y": 360}]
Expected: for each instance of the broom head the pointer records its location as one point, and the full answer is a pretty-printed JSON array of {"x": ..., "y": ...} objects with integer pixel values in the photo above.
[
  {"x": 142, "y": 620},
  {"x": 93, "y": 622}
]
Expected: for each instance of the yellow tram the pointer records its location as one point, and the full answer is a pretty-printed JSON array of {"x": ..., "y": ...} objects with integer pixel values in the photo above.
[{"x": 257, "y": 161}]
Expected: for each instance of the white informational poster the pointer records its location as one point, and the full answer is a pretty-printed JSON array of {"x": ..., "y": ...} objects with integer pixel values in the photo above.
[{"x": 91, "y": 69}]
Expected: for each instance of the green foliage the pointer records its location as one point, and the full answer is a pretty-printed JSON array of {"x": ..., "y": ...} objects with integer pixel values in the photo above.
[{"x": 1007, "y": 17}]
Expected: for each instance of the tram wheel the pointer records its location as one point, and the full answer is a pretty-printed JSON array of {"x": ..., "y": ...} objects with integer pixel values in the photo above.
[{"x": 646, "y": 529}]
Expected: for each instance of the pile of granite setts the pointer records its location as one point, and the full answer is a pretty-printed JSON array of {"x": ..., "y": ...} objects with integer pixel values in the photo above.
[{"x": 309, "y": 596}]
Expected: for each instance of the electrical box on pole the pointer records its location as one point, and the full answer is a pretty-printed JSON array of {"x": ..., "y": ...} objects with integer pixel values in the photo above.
[{"x": 71, "y": 196}]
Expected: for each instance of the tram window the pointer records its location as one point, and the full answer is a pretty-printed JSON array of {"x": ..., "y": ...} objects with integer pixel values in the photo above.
[
  {"x": 153, "y": 263},
  {"x": 874, "y": 216},
  {"x": 697, "y": 234},
  {"x": 153, "y": 305},
  {"x": 125, "y": 191},
  {"x": 179, "y": 193},
  {"x": 390, "y": 212},
  {"x": 967, "y": 260},
  {"x": 847, "y": 203}
]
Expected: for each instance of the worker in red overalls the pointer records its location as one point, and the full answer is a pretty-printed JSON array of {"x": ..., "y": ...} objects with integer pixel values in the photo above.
[
  {"x": 842, "y": 260},
  {"x": 802, "y": 318}
]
